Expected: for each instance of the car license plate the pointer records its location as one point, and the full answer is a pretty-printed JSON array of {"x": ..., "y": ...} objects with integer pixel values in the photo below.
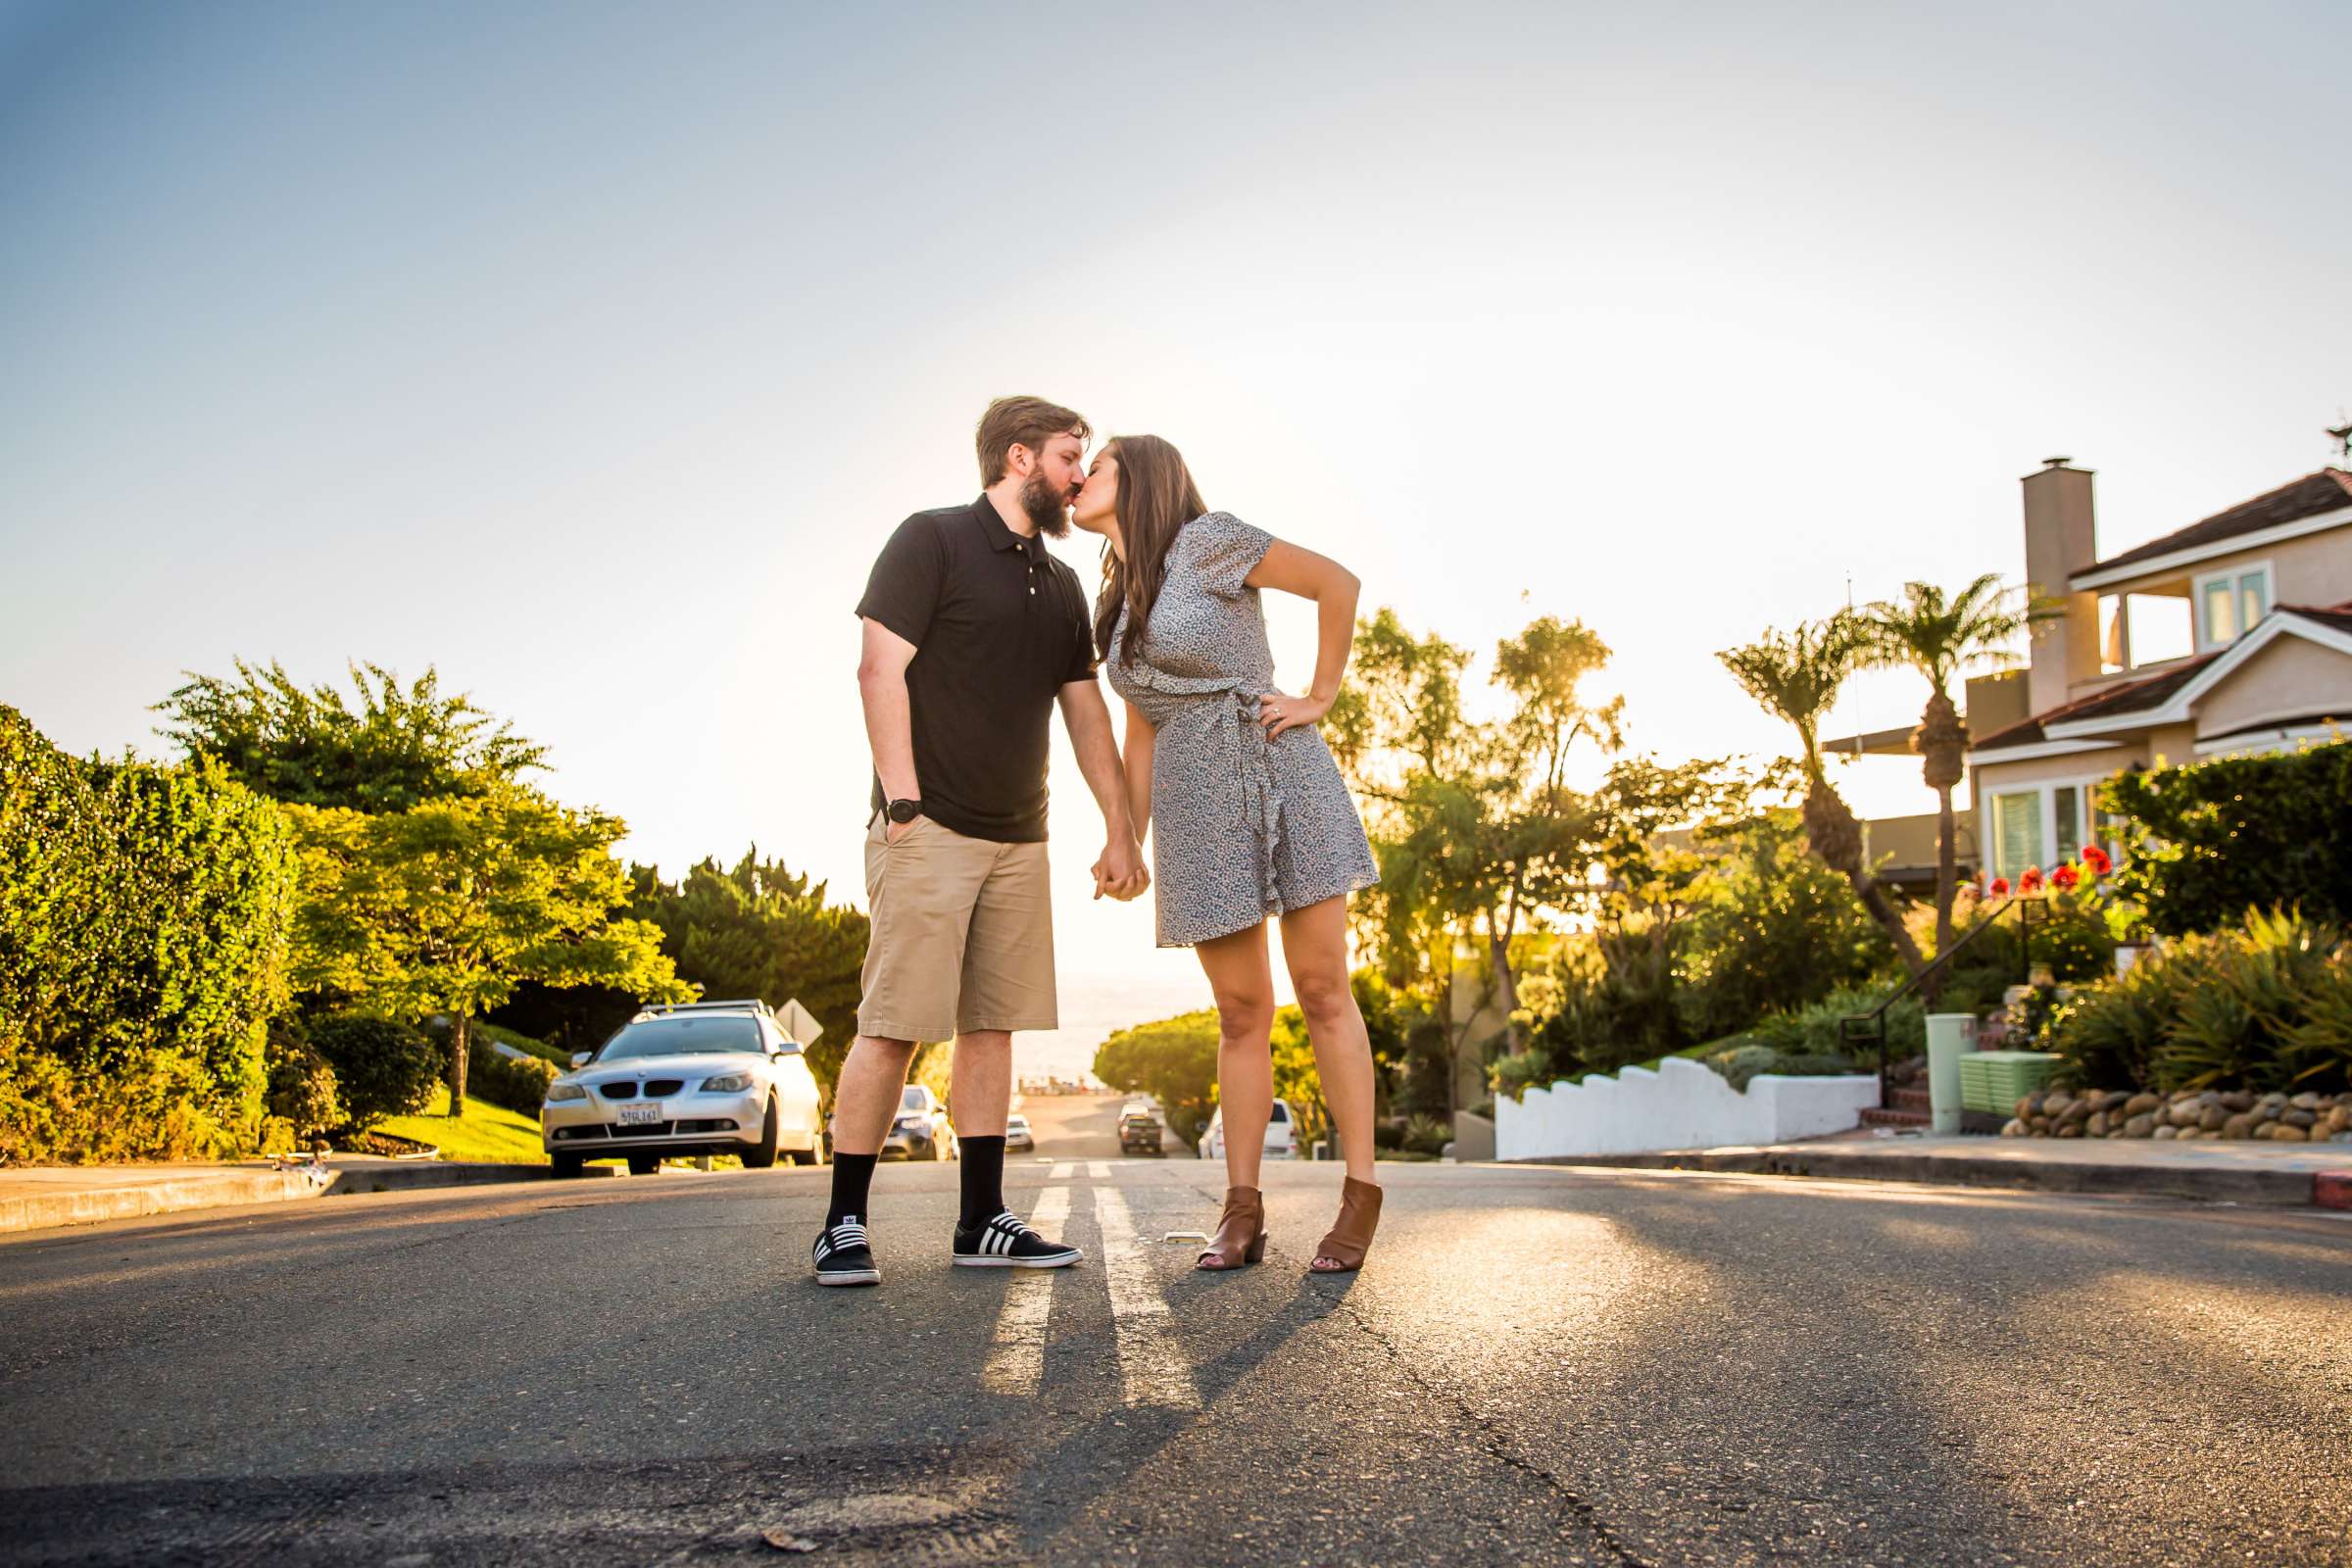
[{"x": 641, "y": 1115}]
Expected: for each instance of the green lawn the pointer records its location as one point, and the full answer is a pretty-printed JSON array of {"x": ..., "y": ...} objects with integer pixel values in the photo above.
[{"x": 485, "y": 1132}]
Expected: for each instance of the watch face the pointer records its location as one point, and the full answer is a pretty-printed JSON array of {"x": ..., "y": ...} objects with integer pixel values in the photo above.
[{"x": 904, "y": 810}]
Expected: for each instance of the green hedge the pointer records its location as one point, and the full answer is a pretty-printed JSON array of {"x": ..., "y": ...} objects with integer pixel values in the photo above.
[
  {"x": 144, "y": 919},
  {"x": 2241, "y": 833},
  {"x": 517, "y": 1085},
  {"x": 383, "y": 1067}
]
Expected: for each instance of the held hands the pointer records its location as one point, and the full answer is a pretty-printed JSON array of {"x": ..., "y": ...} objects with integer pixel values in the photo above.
[
  {"x": 1120, "y": 872},
  {"x": 1277, "y": 713}
]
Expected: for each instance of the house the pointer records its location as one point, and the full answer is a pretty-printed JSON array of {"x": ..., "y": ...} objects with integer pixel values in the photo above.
[{"x": 2231, "y": 635}]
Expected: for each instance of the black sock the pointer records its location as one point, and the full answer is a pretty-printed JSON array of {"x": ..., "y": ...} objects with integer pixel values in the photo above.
[
  {"x": 983, "y": 1179},
  {"x": 851, "y": 1175}
]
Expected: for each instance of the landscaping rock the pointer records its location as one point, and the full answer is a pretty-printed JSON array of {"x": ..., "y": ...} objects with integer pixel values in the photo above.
[
  {"x": 2238, "y": 1099},
  {"x": 2142, "y": 1103},
  {"x": 2014, "y": 1127},
  {"x": 2299, "y": 1117},
  {"x": 2287, "y": 1132},
  {"x": 2186, "y": 1113},
  {"x": 2242, "y": 1125},
  {"x": 2167, "y": 1130},
  {"x": 2340, "y": 1118},
  {"x": 2142, "y": 1124},
  {"x": 2307, "y": 1100},
  {"x": 2072, "y": 1129},
  {"x": 2188, "y": 1133},
  {"x": 2054, "y": 1103},
  {"x": 2115, "y": 1100},
  {"x": 2213, "y": 1119},
  {"x": 2268, "y": 1112}
]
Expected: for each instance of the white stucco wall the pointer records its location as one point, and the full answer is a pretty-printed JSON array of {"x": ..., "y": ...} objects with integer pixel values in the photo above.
[{"x": 1681, "y": 1106}]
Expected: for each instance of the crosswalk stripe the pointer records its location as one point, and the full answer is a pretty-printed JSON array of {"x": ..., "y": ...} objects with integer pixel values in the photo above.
[
  {"x": 1017, "y": 1361},
  {"x": 1099, "y": 1170},
  {"x": 1151, "y": 1365},
  {"x": 1062, "y": 1171}
]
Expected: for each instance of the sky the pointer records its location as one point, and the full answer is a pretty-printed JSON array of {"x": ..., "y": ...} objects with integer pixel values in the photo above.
[{"x": 587, "y": 353}]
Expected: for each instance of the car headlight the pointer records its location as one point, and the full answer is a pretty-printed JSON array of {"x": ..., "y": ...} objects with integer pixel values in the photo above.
[
  {"x": 910, "y": 1124},
  {"x": 730, "y": 1082},
  {"x": 556, "y": 1092}
]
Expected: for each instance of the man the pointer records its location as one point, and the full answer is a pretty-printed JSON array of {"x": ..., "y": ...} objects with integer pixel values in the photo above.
[{"x": 973, "y": 633}]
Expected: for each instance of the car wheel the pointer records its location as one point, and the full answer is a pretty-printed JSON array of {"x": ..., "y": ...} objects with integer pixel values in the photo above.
[
  {"x": 938, "y": 1148},
  {"x": 564, "y": 1167},
  {"x": 643, "y": 1164},
  {"x": 763, "y": 1154}
]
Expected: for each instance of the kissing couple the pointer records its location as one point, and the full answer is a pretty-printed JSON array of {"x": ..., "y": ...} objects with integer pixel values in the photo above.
[{"x": 973, "y": 634}]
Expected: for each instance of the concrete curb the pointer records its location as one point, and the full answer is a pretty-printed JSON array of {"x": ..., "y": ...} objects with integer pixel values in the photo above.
[
  {"x": 2275, "y": 1189},
  {"x": 221, "y": 1189}
]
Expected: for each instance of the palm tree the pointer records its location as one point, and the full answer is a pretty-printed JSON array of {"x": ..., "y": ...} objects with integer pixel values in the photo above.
[
  {"x": 1937, "y": 636},
  {"x": 1796, "y": 675}
]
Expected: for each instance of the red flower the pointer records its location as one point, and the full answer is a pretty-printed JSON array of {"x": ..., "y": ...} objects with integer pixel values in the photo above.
[
  {"x": 2096, "y": 859},
  {"x": 2064, "y": 878},
  {"x": 2031, "y": 882},
  {"x": 2000, "y": 887}
]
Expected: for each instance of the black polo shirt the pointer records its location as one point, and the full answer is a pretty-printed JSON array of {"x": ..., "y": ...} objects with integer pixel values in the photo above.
[{"x": 999, "y": 627}]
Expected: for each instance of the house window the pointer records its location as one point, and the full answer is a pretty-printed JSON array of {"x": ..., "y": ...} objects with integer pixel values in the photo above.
[
  {"x": 2016, "y": 832},
  {"x": 2229, "y": 602},
  {"x": 2045, "y": 825}
]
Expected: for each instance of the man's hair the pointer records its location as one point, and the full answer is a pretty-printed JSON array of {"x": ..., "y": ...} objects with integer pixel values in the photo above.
[{"x": 1021, "y": 421}]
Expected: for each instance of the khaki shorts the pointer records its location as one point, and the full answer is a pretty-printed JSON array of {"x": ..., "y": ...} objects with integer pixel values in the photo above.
[{"x": 962, "y": 935}]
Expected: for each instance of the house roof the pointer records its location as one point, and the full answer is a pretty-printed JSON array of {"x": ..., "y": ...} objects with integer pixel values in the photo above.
[
  {"x": 2148, "y": 693},
  {"x": 2152, "y": 691},
  {"x": 2327, "y": 490}
]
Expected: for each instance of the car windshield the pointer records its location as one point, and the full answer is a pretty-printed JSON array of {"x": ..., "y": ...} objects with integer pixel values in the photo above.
[
  {"x": 681, "y": 1033},
  {"x": 1282, "y": 1112},
  {"x": 911, "y": 1099}
]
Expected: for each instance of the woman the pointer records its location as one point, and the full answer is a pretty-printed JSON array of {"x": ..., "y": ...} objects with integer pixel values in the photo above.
[{"x": 1252, "y": 817}]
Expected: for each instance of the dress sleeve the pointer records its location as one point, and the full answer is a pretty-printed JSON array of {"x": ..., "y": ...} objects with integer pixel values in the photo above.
[
  {"x": 1225, "y": 549},
  {"x": 903, "y": 592}
]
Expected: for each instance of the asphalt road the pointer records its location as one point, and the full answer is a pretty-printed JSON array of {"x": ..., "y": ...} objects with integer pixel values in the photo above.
[
  {"x": 1086, "y": 1127},
  {"x": 1539, "y": 1365}
]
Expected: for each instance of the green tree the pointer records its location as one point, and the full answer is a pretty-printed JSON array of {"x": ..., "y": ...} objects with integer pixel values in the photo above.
[
  {"x": 447, "y": 905},
  {"x": 1174, "y": 1060},
  {"x": 1477, "y": 831},
  {"x": 1796, "y": 676},
  {"x": 1938, "y": 636},
  {"x": 758, "y": 929},
  {"x": 310, "y": 746}
]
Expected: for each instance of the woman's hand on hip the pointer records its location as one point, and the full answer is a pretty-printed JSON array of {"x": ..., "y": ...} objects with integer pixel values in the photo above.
[{"x": 1278, "y": 712}]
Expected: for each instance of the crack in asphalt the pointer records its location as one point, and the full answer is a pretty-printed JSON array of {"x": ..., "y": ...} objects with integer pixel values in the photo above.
[{"x": 1492, "y": 1439}]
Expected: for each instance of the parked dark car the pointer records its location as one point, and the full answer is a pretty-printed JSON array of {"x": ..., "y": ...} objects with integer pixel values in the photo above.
[{"x": 1139, "y": 1131}]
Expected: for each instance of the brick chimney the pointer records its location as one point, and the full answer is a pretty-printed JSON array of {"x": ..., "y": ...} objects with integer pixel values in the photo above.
[{"x": 2060, "y": 541}]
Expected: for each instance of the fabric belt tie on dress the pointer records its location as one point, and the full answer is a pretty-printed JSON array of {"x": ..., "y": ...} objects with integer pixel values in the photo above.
[{"x": 1261, "y": 802}]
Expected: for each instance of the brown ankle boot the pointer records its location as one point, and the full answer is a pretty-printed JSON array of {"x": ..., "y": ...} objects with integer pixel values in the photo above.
[
  {"x": 1241, "y": 1238},
  {"x": 1351, "y": 1236}
]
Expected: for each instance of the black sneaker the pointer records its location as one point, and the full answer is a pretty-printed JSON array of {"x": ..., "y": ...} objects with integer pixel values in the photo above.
[
  {"x": 843, "y": 1257},
  {"x": 1006, "y": 1242}
]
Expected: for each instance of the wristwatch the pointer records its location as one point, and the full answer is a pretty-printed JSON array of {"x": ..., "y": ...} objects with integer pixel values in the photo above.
[{"x": 904, "y": 812}]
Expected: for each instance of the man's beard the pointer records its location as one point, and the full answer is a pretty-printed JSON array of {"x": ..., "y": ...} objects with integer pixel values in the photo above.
[{"x": 1047, "y": 505}]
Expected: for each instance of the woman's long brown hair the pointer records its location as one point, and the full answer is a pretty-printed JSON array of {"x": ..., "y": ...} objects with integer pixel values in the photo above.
[{"x": 1156, "y": 499}]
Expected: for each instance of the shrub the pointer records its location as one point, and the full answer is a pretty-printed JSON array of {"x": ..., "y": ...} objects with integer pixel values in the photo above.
[
  {"x": 145, "y": 914},
  {"x": 1427, "y": 1135},
  {"x": 302, "y": 1090},
  {"x": 2238, "y": 833},
  {"x": 1747, "y": 1059},
  {"x": 553, "y": 1055},
  {"x": 382, "y": 1067},
  {"x": 2268, "y": 1005},
  {"x": 1515, "y": 1074},
  {"x": 520, "y": 1085}
]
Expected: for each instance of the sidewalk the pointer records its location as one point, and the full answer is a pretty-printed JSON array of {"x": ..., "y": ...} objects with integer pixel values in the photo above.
[
  {"x": 40, "y": 1197},
  {"x": 2289, "y": 1175}
]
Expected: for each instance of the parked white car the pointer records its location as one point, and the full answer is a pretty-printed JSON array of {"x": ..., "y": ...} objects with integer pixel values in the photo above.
[
  {"x": 701, "y": 1078},
  {"x": 1017, "y": 1133},
  {"x": 1282, "y": 1134}
]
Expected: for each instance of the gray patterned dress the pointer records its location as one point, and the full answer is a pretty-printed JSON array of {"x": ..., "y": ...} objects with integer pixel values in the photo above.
[{"x": 1241, "y": 828}]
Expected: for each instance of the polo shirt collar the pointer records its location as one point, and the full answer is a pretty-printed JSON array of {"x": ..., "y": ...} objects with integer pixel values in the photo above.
[{"x": 998, "y": 536}]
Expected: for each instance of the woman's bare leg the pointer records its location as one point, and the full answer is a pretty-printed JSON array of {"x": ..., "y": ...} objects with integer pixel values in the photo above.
[
  {"x": 1243, "y": 982},
  {"x": 1314, "y": 946}
]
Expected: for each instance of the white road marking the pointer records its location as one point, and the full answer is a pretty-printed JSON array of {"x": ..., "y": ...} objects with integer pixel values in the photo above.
[
  {"x": 1151, "y": 1365},
  {"x": 1098, "y": 1171},
  {"x": 1061, "y": 1172},
  {"x": 1016, "y": 1362}
]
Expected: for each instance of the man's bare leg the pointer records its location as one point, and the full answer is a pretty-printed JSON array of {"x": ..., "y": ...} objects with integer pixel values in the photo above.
[
  {"x": 866, "y": 1096},
  {"x": 980, "y": 1082}
]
